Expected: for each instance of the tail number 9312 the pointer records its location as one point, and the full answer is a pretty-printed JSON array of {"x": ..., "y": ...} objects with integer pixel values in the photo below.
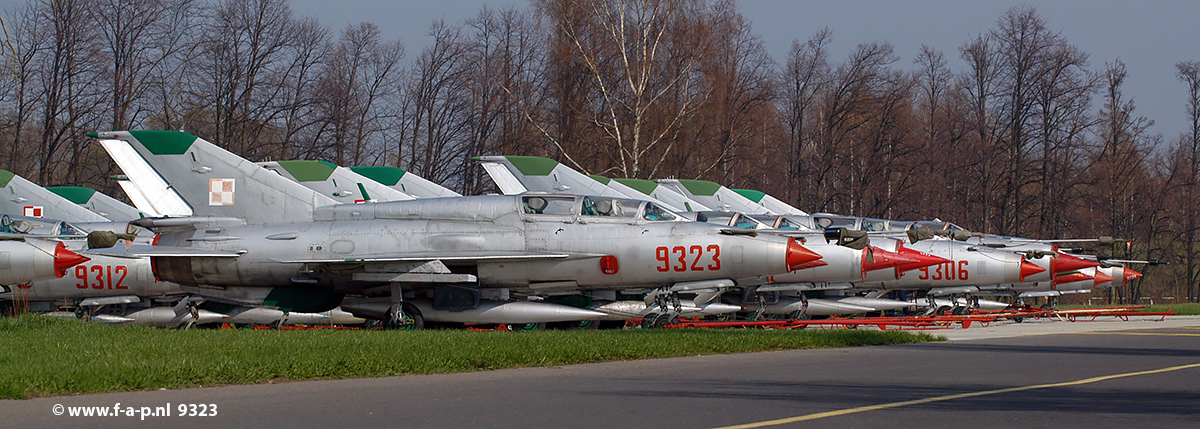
[
  {"x": 101, "y": 276},
  {"x": 688, "y": 258}
]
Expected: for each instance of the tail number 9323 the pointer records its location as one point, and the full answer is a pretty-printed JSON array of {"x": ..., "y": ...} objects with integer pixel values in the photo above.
[{"x": 688, "y": 258}]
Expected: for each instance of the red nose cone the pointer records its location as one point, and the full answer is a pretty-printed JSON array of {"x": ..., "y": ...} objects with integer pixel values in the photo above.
[
  {"x": 1071, "y": 278},
  {"x": 1029, "y": 269},
  {"x": 1102, "y": 278},
  {"x": 878, "y": 259},
  {"x": 64, "y": 259},
  {"x": 813, "y": 264},
  {"x": 1131, "y": 275},
  {"x": 798, "y": 255},
  {"x": 922, "y": 259},
  {"x": 1064, "y": 263}
]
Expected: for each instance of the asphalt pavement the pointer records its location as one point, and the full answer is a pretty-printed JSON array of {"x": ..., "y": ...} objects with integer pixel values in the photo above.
[{"x": 1102, "y": 374}]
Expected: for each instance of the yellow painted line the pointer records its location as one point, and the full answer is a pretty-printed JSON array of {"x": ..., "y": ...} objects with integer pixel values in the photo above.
[
  {"x": 836, "y": 413},
  {"x": 1152, "y": 334}
]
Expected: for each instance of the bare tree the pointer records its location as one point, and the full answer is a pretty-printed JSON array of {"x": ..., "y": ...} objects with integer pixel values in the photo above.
[
  {"x": 803, "y": 78},
  {"x": 1188, "y": 72},
  {"x": 641, "y": 56}
]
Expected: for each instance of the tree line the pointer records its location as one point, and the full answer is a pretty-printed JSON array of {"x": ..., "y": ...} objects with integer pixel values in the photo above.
[{"x": 1030, "y": 137}]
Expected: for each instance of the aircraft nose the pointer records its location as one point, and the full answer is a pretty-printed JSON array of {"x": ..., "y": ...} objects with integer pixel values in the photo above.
[
  {"x": 1029, "y": 269},
  {"x": 1131, "y": 275},
  {"x": 922, "y": 259},
  {"x": 1064, "y": 263},
  {"x": 1071, "y": 278},
  {"x": 798, "y": 255},
  {"x": 64, "y": 259},
  {"x": 879, "y": 259}
]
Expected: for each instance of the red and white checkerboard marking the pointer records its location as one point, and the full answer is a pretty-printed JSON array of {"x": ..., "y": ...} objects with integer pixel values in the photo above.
[
  {"x": 33, "y": 211},
  {"x": 220, "y": 192}
]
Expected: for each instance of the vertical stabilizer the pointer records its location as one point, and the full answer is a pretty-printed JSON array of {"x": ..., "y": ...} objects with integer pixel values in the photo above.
[
  {"x": 21, "y": 197},
  {"x": 405, "y": 181},
  {"x": 660, "y": 193},
  {"x": 339, "y": 183},
  {"x": 98, "y": 202},
  {"x": 770, "y": 203},
  {"x": 211, "y": 180},
  {"x": 715, "y": 196}
]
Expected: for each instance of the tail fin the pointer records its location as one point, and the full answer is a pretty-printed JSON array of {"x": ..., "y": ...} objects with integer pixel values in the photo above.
[
  {"x": 405, "y": 181},
  {"x": 539, "y": 174},
  {"x": 19, "y": 196},
  {"x": 209, "y": 180},
  {"x": 661, "y": 193},
  {"x": 770, "y": 203},
  {"x": 339, "y": 183},
  {"x": 98, "y": 202},
  {"x": 714, "y": 195}
]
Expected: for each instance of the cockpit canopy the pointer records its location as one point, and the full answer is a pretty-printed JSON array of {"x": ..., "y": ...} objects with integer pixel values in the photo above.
[
  {"x": 733, "y": 219},
  {"x": 36, "y": 226},
  {"x": 596, "y": 206}
]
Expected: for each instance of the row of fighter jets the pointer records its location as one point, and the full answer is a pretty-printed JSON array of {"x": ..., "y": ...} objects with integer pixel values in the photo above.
[{"x": 218, "y": 238}]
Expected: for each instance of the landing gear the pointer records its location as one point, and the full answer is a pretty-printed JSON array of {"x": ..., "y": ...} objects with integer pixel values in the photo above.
[
  {"x": 658, "y": 320},
  {"x": 405, "y": 317},
  {"x": 527, "y": 327},
  {"x": 669, "y": 308}
]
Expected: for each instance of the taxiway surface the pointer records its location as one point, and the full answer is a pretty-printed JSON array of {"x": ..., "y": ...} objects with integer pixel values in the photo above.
[{"x": 1038, "y": 373}]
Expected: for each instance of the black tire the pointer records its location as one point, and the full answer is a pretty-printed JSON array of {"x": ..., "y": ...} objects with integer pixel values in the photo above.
[
  {"x": 527, "y": 327},
  {"x": 585, "y": 325},
  {"x": 648, "y": 320}
]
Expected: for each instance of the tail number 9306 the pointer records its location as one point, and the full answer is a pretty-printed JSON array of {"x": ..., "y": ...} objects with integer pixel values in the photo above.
[
  {"x": 688, "y": 258},
  {"x": 945, "y": 271}
]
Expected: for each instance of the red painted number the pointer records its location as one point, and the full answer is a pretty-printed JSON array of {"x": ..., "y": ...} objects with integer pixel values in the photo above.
[
  {"x": 946, "y": 271},
  {"x": 681, "y": 254},
  {"x": 104, "y": 275},
  {"x": 716, "y": 257},
  {"x": 661, "y": 255},
  {"x": 676, "y": 258}
]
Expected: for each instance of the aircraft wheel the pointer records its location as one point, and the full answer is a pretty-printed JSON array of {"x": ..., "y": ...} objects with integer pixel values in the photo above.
[
  {"x": 664, "y": 319},
  {"x": 405, "y": 317},
  {"x": 585, "y": 325},
  {"x": 649, "y": 319},
  {"x": 526, "y": 327},
  {"x": 941, "y": 311},
  {"x": 959, "y": 311}
]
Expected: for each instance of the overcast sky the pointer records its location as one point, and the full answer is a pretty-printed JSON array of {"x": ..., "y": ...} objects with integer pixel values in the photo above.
[{"x": 1149, "y": 36}]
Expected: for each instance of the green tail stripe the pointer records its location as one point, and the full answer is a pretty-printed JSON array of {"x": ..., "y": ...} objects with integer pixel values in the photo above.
[
  {"x": 753, "y": 195},
  {"x": 76, "y": 194},
  {"x": 309, "y": 171},
  {"x": 388, "y": 176}
]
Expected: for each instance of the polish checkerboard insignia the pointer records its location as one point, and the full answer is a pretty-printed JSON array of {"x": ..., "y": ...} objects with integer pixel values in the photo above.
[
  {"x": 220, "y": 192},
  {"x": 33, "y": 211}
]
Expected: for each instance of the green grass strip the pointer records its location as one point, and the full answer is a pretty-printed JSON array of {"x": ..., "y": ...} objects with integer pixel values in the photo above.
[{"x": 43, "y": 356}]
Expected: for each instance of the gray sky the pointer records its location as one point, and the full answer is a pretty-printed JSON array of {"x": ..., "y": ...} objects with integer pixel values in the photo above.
[{"x": 1149, "y": 36}]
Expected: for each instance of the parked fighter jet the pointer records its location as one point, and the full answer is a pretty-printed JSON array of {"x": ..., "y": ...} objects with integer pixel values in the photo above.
[
  {"x": 455, "y": 250},
  {"x": 839, "y": 264}
]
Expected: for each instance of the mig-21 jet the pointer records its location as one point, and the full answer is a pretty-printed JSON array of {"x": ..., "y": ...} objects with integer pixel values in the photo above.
[{"x": 453, "y": 259}]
